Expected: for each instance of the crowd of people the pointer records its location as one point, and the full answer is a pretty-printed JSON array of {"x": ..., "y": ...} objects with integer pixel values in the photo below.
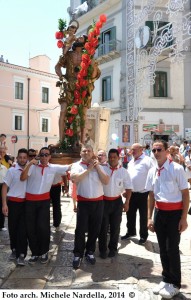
[{"x": 153, "y": 182}]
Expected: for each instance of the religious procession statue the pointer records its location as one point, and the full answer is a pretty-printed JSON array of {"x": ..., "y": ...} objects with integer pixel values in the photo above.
[{"x": 77, "y": 83}]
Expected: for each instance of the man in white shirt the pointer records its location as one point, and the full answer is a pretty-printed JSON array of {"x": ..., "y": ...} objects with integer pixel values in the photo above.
[
  {"x": 89, "y": 176},
  {"x": 40, "y": 176},
  {"x": 119, "y": 182},
  {"x": 102, "y": 157},
  {"x": 3, "y": 171},
  {"x": 170, "y": 196},
  {"x": 138, "y": 168},
  {"x": 13, "y": 197}
]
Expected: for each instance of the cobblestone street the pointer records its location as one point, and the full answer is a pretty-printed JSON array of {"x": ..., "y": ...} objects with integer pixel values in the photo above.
[{"x": 137, "y": 267}]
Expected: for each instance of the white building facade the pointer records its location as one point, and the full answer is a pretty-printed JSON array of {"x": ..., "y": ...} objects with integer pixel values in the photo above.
[{"x": 141, "y": 111}]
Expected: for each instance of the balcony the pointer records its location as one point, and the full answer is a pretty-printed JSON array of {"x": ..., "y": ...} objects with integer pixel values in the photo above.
[{"x": 108, "y": 51}]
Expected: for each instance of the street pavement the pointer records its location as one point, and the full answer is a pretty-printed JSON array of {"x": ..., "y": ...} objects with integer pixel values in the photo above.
[{"x": 136, "y": 267}]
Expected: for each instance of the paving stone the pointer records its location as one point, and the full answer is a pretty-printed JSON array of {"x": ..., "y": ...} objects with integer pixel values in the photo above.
[
  {"x": 6, "y": 268},
  {"x": 37, "y": 271},
  {"x": 135, "y": 267},
  {"x": 60, "y": 277},
  {"x": 66, "y": 246},
  {"x": 18, "y": 283},
  {"x": 62, "y": 258}
]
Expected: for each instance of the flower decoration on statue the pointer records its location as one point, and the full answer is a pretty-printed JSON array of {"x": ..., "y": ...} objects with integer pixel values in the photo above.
[
  {"x": 61, "y": 34},
  {"x": 74, "y": 116}
]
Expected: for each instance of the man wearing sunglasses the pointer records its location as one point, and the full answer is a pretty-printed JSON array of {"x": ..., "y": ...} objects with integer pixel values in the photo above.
[
  {"x": 169, "y": 198},
  {"x": 40, "y": 176},
  {"x": 31, "y": 154}
]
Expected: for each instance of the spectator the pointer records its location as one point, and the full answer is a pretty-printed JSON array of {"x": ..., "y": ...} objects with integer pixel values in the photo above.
[
  {"x": 3, "y": 140},
  {"x": 147, "y": 150},
  {"x": 6, "y": 159},
  {"x": 125, "y": 157},
  {"x": 188, "y": 167}
]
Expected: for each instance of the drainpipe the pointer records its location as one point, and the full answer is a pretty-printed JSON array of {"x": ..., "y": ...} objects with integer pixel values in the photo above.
[{"x": 28, "y": 112}]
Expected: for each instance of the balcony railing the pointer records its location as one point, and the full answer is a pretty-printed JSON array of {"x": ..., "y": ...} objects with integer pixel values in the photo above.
[{"x": 110, "y": 49}]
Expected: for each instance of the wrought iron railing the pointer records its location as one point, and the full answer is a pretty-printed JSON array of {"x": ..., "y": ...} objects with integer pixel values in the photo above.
[{"x": 106, "y": 48}]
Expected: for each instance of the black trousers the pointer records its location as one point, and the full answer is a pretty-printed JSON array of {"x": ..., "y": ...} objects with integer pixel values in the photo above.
[
  {"x": 111, "y": 216},
  {"x": 2, "y": 217},
  {"x": 38, "y": 226},
  {"x": 89, "y": 218},
  {"x": 17, "y": 227},
  {"x": 168, "y": 236},
  {"x": 138, "y": 201},
  {"x": 55, "y": 193}
]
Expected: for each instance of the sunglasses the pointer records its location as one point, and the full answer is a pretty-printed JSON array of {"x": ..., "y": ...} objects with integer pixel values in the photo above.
[
  {"x": 156, "y": 150},
  {"x": 32, "y": 155},
  {"x": 44, "y": 154}
]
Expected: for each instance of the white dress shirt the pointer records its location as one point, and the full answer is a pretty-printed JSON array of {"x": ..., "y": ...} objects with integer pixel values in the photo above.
[
  {"x": 168, "y": 185},
  {"x": 17, "y": 188},
  {"x": 119, "y": 181},
  {"x": 91, "y": 187},
  {"x": 138, "y": 170},
  {"x": 41, "y": 179}
]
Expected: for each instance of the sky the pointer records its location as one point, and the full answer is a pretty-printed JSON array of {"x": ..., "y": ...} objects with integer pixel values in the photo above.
[{"x": 27, "y": 29}]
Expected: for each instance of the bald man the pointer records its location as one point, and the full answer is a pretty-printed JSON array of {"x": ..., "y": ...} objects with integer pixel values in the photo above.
[{"x": 138, "y": 169}]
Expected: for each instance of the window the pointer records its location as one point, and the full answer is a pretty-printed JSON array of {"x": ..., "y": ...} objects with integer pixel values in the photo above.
[
  {"x": 160, "y": 86},
  {"x": 18, "y": 122},
  {"x": 45, "y": 95},
  {"x": 108, "y": 41},
  {"x": 44, "y": 125},
  {"x": 19, "y": 90},
  {"x": 106, "y": 88}
]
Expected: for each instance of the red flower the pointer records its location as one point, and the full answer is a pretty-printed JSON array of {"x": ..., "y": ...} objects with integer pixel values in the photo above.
[
  {"x": 98, "y": 25},
  {"x": 74, "y": 110},
  {"x": 83, "y": 82},
  {"x": 97, "y": 31},
  {"x": 78, "y": 87},
  {"x": 76, "y": 94},
  {"x": 70, "y": 119},
  {"x": 59, "y": 35},
  {"x": 78, "y": 101},
  {"x": 60, "y": 44},
  {"x": 79, "y": 76},
  {"x": 91, "y": 51},
  {"x": 103, "y": 18},
  {"x": 94, "y": 43},
  {"x": 84, "y": 93},
  {"x": 85, "y": 57},
  {"x": 87, "y": 46},
  {"x": 90, "y": 36},
  {"x": 84, "y": 72},
  {"x": 84, "y": 65},
  {"x": 69, "y": 132}
]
